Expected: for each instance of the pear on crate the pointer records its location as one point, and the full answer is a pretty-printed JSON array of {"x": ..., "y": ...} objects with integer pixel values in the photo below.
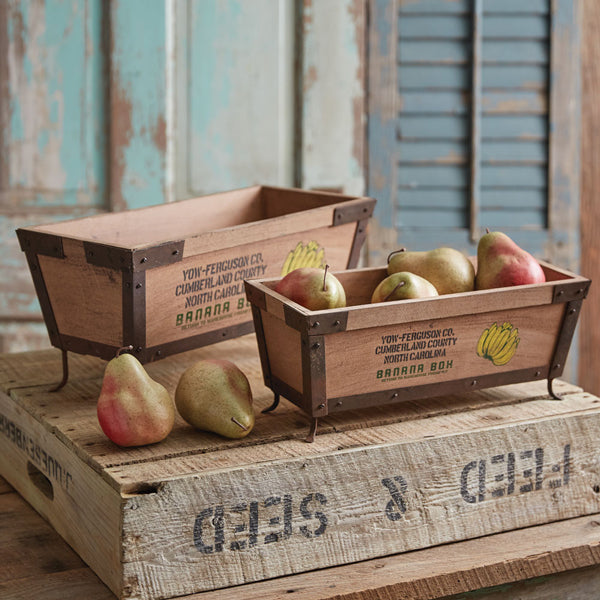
[
  {"x": 215, "y": 395},
  {"x": 449, "y": 270},
  {"x": 313, "y": 288},
  {"x": 503, "y": 263},
  {"x": 403, "y": 286},
  {"x": 133, "y": 409}
]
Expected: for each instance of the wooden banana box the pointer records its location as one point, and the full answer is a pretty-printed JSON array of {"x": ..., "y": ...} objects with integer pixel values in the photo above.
[
  {"x": 169, "y": 278},
  {"x": 198, "y": 512},
  {"x": 372, "y": 354}
]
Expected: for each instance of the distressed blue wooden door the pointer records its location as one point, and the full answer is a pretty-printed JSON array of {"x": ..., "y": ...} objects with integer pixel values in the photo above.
[
  {"x": 114, "y": 104},
  {"x": 473, "y": 124}
]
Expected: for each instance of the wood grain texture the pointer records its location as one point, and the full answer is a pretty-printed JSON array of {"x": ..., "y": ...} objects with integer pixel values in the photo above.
[
  {"x": 559, "y": 557},
  {"x": 227, "y": 512},
  {"x": 589, "y": 334}
]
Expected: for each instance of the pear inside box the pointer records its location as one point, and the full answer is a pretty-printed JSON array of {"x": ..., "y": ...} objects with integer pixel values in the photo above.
[{"x": 368, "y": 354}]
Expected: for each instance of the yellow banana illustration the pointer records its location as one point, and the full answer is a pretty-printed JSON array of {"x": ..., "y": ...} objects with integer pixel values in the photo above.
[
  {"x": 498, "y": 344},
  {"x": 304, "y": 255}
]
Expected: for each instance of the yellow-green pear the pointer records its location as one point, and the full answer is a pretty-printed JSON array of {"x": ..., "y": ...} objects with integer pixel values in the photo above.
[
  {"x": 215, "y": 395},
  {"x": 403, "y": 286},
  {"x": 449, "y": 270}
]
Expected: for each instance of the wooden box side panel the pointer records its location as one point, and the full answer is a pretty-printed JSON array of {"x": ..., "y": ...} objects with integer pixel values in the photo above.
[
  {"x": 284, "y": 351},
  {"x": 272, "y": 519},
  {"x": 76, "y": 501},
  {"x": 87, "y": 300},
  {"x": 205, "y": 292},
  {"x": 426, "y": 352},
  {"x": 165, "y": 222}
]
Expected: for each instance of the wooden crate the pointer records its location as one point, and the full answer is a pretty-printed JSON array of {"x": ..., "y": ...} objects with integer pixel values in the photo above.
[
  {"x": 372, "y": 354},
  {"x": 198, "y": 512},
  {"x": 169, "y": 278}
]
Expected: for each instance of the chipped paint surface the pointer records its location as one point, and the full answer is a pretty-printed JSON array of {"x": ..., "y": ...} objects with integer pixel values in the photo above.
[
  {"x": 137, "y": 104},
  {"x": 333, "y": 102}
]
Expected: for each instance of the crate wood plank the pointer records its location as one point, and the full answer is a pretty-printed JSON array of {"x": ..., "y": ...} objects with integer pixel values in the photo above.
[
  {"x": 71, "y": 415},
  {"x": 78, "y": 503},
  {"x": 226, "y": 512},
  {"x": 564, "y": 549},
  {"x": 264, "y": 520}
]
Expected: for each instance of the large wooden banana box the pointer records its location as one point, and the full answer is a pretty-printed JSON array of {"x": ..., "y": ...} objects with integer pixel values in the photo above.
[
  {"x": 198, "y": 512},
  {"x": 169, "y": 278}
]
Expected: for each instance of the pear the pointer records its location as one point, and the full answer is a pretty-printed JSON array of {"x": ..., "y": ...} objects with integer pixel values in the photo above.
[
  {"x": 133, "y": 409},
  {"x": 503, "y": 263},
  {"x": 449, "y": 270},
  {"x": 215, "y": 395},
  {"x": 313, "y": 288},
  {"x": 403, "y": 286}
]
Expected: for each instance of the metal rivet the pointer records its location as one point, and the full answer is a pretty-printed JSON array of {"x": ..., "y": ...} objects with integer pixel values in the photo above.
[
  {"x": 538, "y": 373},
  {"x": 316, "y": 346},
  {"x": 175, "y": 252},
  {"x": 315, "y": 324},
  {"x": 395, "y": 395},
  {"x": 158, "y": 353},
  {"x": 556, "y": 366},
  {"x": 572, "y": 311},
  {"x": 144, "y": 260},
  {"x": 338, "y": 403},
  {"x": 474, "y": 382},
  {"x": 580, "y": 291},
  {"x": 138, "y": 349},
  {"x": 561, "y": 292},
  {"x": 321, "y": 406},
  {"x": 336, "y": 323},
  {"x": 138, "y": 286}
]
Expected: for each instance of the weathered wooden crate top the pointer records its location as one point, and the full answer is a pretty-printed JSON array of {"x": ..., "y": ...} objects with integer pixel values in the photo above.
[
  {"x": 197, "y": 512},
  {"x": 70, "y": 414}
]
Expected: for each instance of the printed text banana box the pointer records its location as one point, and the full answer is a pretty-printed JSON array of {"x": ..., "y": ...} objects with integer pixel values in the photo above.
[
  {"x": 372, "y": 354},
  {"x": 169, "y": 278}
]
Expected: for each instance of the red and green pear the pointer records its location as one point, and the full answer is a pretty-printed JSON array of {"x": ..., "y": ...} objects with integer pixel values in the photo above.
[
  {"x": 313, "y": 288},
  {"x": 502, "y": 263},
  {"x": 133, "y": 409}
]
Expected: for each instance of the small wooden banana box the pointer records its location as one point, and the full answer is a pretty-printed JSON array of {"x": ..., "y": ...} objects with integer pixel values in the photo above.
[{"x": 373, "y": 354}]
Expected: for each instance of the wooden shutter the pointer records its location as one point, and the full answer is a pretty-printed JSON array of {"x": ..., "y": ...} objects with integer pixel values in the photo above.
[{"x": 473, "y": 124}]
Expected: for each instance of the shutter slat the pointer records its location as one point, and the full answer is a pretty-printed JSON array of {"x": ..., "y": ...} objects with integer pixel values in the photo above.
[
  {"x": 456, "y": 198},
  {"x": 457, "y": 152},
  {"x": 492, "y": 176},
  {"x": 458, "y": 77}
]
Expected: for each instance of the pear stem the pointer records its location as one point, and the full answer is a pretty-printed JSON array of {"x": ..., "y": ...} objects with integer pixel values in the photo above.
[
  {"x": 325, "y": 279},
  {"x": 122, "y": 349},
  {"x": 392, "y": 292},
  {"x": 395, "y": 252},
  {"x": 487, "y": 229},
  {"x": 239, "y": 424}
]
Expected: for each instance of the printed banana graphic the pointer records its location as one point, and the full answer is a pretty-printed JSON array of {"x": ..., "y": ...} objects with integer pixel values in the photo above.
[
  {"x": 304, "y": 255},
  {"x": 498, "y": 343}
]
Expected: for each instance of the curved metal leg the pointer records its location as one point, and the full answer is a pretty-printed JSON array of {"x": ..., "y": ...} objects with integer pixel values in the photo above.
[
  {"x": 273, "y": 406},
  {"x": 65, "y": 369},
  {"x": 552, "y": 393},
  {"x": 310, "y": 438}
]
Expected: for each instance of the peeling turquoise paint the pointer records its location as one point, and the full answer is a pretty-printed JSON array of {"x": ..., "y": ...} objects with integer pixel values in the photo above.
[{"x": 139, "y": 79}]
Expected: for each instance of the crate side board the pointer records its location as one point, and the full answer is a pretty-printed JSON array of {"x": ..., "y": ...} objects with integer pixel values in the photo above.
[
  {"x": 205, "y": 293},
  {"x": 83, "y": 508},
  {"x": 266, "y": 520}
]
